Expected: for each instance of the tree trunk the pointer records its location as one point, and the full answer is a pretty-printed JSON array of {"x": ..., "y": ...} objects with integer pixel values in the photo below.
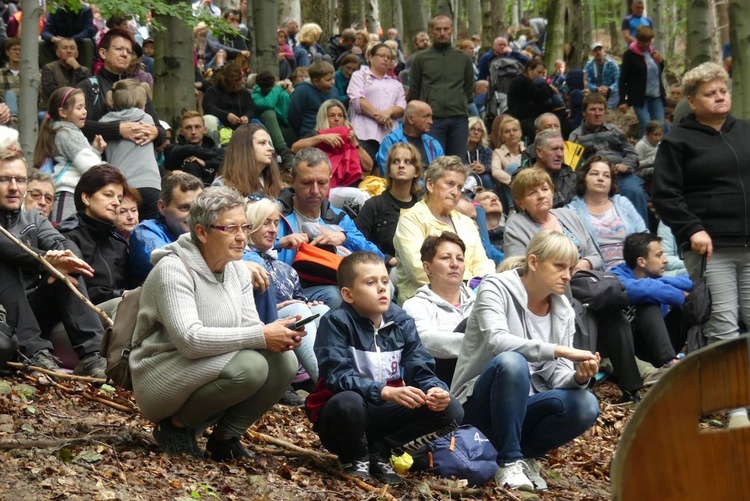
[
  {"x": 252, "y": 36},
  {"x": 554, "y": 48},
  {"x": 615, "y": 34},
  {"x": 360, "y": 14},
  {"x": 659, "y": 35},
  {"x": 30, "y": 79},
  {"x": 288, "y": 8},
  {"x": 516, "y": 14},
  {"x": 474, "y": 12},
  {"x": 587, "y": 33},
  {"x": 579, "y": 43},
  {"x": 264, "y": 13},
  {"x": 372, "y": 16},
  {"x": 715, "y": 31},
  {"x": 346, "y": 16},
  {"x": 318, "y": 11},
  {"x": 698, "y": 33},
  {"x": 414, "y": 20},
  {"x": 398, "y": 20},
  {"x": 387, "y": 15},
  {"x": 446, "y": 7},
  {"x": 487, "y": 34},
  {"x": 739, "y": 34},
  {"x": 174, "y": 71},
  {"x": 722, "y": 6}
]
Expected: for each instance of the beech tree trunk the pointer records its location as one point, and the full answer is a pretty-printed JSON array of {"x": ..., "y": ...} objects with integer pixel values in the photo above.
[
  {"x": 414, "y": 20},
  {"x": 30, "y": 79},
  {"x": 659, "y": 35},
  {"x": 264, "y": 15},
  {"x": 318, "y": 11},
  {"x": 372, "y": 16},
  {"x": 289, "y": 8},
  {"x": 722, "y": 8},
  {"x": 174, "y": 71},
  {"x": 474, "y": 13},
  {"x": 739, "y": 36},
  {"x": 554, "y": 48},
  {"x": 579, "y": 43},
  {"x": 698, "y": 33},
  {"x": 587, "y": 33}
]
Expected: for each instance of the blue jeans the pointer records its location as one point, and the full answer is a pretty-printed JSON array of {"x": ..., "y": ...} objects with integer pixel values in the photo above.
[
  {"x": 329, "y": 295},
  {"x": 453, "y": 135},
  {"x": 523, "y": 426},
  {"x": 631, "y": 187},
  {"x": 652, "y": 109},
  {"x": 304, "y": 351}
]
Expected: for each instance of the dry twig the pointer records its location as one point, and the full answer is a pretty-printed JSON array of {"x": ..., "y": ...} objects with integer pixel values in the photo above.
[
  {"x": 61, "y": 375},
  {"x": 126, "y": 436}
]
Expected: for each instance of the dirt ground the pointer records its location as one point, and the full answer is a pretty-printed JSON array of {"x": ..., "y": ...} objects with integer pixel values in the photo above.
[{"x": 66, "y": 440}]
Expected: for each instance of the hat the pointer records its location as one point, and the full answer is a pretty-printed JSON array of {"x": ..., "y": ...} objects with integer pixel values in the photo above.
[{"x": 596, "y": 45}]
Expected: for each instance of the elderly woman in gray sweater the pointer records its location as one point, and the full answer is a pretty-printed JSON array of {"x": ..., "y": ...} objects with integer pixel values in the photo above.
[{"x": 207, "y": 359}]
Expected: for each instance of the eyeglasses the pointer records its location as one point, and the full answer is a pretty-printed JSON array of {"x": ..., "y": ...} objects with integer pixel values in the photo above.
[
  {"x": 476, "y": 129},
  {"x": 233, "y": 229},
  {"x": 123, "y": 50},
  {"x": 37, "y": 195},
  {"x": 18, "y": 179},
  {"x": 385, "y": 56}
]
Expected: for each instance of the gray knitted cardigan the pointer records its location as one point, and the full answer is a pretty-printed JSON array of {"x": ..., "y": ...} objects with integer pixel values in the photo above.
[{"x": 195, "y": 325}]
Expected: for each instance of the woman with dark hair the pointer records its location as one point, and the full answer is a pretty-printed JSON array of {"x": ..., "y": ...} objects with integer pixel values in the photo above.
[
  {"x": 249, "y": 164},
  {"x": 228, "y": 103},
  {"x": 441, "y": 307},
  {"x": 377, "y": 100},
  {"x": 379, "y": 216},
  {"x": 98, "y": 196},
  {"x": 608, "y": 217},
  {"x": 529, "y": 95}
]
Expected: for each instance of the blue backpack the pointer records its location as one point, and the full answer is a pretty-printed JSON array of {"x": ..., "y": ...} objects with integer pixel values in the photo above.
[{"x": 464, "y": 453}]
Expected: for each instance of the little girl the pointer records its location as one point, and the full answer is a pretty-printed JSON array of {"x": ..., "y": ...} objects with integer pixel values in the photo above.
[
  {"x": 62, "y": 144},
  {"x": 127, "y": 100}
]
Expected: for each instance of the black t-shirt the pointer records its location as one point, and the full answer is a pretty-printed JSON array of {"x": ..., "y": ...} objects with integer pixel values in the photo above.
[
  {"x": 378, "y": 220},
  {"x": 419, "y": 145}
]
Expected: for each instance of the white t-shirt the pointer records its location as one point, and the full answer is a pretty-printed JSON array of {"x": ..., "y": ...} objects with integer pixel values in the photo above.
[{"x": 541, "y": 329}]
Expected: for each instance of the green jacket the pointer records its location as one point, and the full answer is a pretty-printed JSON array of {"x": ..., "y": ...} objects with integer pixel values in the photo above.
[
  {"x": 443, "y": 77},
  {"x": 277, "y": 100}
]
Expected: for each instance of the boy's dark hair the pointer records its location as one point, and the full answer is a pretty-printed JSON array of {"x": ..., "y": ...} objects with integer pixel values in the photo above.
[
  {"x": 319, "y": 69},
  {"x": 636, "y": 245},
  {"x": 431, "y": 244},
  {"x": 138, "y": 50},
  {"x": 653, "y": 126},
  {"x": 347, "y": 273},
  {"x": 265, "y": 80}
]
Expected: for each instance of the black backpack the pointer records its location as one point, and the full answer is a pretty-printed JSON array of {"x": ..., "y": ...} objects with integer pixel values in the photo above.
[
  {"x": 8, "y": 339},
  {"x": 502, "y": 71}
]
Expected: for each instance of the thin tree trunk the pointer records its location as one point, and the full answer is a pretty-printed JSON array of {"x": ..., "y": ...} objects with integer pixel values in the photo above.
[
  {"x": 387, "y": 15},
  {"x": 361, "y": 14},
  {"x": 174, "y": 72},
  {"x": 30, "y": 79},
  {"x": 615, "y": 33},
  {"x": 586, "y": 33},
  {"x": 318, "y": 11},
  {"x": 516, "y": 14},
  {"x": 739, "y": 34},
  {"x": 576, "y": 26},
  {"x": 499, "y": 20},
  {"x": 698, "y": 33},
  {"x": 474, "y": 12},
  {"x": 488, "y": 35},
  {"x": 398, "y": 21},
  {"x": 414, "y": 20},
  {"x": 264, "y": 14},
  {"x": 722, "y": 7},
  {"x": 555, "y": 33},
  {"x": 372, "y": 16},
  {"x": 446, "y": 7},
  {"x": 659, "y": 35},
  {"x": 715, "y": 31}
]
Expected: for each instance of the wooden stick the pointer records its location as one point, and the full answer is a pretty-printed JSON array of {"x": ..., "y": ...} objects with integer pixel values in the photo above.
[
  {"x": 59, "y": 276},
  {"x": 108, "y": 402},
  {"x": 62, "y": 442},
  {"x": 61, "y": 375},
  {"x": 255, "y": 436},
  {"x": 458, "y": 491}
]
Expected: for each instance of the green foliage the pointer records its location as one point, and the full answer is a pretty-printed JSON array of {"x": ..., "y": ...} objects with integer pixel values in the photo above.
[
  {"x": 203, "y": 490},
  {"x": 176, "y": 9},
  {"x": 24, "y": 391}
]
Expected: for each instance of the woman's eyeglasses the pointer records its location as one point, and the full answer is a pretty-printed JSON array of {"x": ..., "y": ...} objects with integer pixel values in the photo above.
[{"x": 233, "y": 229}]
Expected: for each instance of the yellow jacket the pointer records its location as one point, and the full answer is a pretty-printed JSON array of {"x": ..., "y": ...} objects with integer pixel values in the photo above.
[{"x": 418, "y": 223}]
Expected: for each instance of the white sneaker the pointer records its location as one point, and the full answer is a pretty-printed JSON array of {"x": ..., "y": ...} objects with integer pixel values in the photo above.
[
  {"x": 532, "y": 470},
  {"x": 512, "y": 475}
]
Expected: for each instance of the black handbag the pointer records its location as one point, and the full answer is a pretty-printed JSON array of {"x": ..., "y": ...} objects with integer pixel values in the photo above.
[{"x": 598, "y": 290}]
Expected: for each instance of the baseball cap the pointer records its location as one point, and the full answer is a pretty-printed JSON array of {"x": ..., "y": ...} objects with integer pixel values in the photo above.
[{"x": 596, "y": 45}]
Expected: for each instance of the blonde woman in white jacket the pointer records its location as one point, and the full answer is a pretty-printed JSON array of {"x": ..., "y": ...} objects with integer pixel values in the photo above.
[{"x": 440, "y": 308}]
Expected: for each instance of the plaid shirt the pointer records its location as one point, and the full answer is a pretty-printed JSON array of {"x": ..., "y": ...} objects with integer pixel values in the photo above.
[{"x": 9, "y": 81}]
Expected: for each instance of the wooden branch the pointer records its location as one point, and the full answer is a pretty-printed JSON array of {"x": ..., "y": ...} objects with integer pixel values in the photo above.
[
  {"x": 458, "y": 491},
  {"x": 61, "y": 375},
  {"x": 110, "y": 403},
  {"x": 59, "y": 276},
  {"x": 62, "y": 442},
  {"x": 255, "y": 436}
]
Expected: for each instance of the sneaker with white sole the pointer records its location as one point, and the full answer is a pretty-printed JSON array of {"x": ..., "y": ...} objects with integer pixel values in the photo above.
[
  {"x": 357, "y": 467},
  {"x": 532, "y": 470},
  {"x": 513, "y": 475}
]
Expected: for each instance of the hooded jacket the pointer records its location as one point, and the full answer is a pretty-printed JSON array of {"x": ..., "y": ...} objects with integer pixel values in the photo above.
[
  {"x": 304, "y": 104},
  {"x": 193, "y": 325},
  {"x": 105, "y": 250},
  {"x": 436, "y": 320},
  {"x": 499, "y": 323},
  {"x": 137, "y": 162},
  {"x": 702, "y": 181},
  {"x": 354, "y": 355},
  {"x": 664, "y": 291}
]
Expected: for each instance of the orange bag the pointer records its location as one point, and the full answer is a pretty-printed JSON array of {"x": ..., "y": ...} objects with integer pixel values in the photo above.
[{"x": 317, "y": 265}]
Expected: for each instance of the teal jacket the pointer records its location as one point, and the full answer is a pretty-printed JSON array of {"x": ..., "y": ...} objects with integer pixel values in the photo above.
[{"x": 277, "y": 100}]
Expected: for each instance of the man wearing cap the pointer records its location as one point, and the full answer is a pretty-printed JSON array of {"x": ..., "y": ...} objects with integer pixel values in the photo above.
[{"x": 602, "y": 74}]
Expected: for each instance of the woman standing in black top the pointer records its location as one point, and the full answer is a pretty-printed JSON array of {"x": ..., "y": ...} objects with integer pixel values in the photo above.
[{"x": 379, "y": 216}]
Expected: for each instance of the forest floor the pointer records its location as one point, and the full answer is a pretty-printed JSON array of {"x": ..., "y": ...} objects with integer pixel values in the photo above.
[{"x": 72, "y": 440}]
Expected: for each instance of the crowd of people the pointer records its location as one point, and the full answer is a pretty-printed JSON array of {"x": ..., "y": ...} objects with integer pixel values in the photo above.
[{"x": 456, "y": 237}]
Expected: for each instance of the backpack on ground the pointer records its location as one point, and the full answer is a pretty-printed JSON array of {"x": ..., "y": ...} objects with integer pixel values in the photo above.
[
  {"x": 464, "y": 453},
  {"x": 502, "y": 71},
  {"x": 118, "y": 342},
  {"x": 8, "y": 339}
]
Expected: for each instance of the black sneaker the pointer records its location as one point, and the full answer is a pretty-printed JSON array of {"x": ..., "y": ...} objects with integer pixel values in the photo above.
[
  {"x": 225, "y": 450},
  {"x": 381, "y": 469},
  {"x": 630, "y": 397},
  {"x": 291, "y": 399},
  {"x": 357, "y": 467},
  {"x": 92, "y": 365},
  {"x": 45, "y": 360},
  {"x": 175, "y": 441}
]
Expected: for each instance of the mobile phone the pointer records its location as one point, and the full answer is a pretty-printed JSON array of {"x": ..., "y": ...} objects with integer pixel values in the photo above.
[{"x": 301, "y": 323}]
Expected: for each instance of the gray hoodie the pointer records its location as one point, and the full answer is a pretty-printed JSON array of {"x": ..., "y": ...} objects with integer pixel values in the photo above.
[
  {"x": 138, "y": 163},
  {"x": 499, "y": 323},
  {"x": 436, "y": 320}
]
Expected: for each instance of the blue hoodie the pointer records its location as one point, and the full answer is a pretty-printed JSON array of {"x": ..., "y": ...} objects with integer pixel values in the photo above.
[
  {"x": 304, "y": 104},
  {"x": 664, "y": 291}
]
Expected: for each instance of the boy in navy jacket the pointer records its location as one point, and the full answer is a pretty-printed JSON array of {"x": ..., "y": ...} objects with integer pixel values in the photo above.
[{"x": 377, "y": 393}]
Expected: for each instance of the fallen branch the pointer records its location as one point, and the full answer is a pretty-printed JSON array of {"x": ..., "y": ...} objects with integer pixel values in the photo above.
[
  {"x": 458, "y": 491},
  {"x": 255, "y": 436},
  {"x": 127, "y": 436},
  {"x": 110, "y": 403},
  {"x": 61, "y": 375},
  {"x": 59, "y": 276}
]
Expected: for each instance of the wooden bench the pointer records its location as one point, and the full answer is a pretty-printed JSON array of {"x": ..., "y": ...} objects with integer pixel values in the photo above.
[{"x": 664, "y": 455}]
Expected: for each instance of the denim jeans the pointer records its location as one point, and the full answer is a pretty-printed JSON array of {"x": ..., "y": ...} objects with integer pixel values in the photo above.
[
  {"x": 330, "y": 295},
  {"x": 523, "y": 426},
  {"x": 304, "y": 351},
  {"x": 453, "y": 135},
  {"x": 728, "y": 277},
  {"x": 631, "y": 187},
  {"x": 652, "y": 109}
]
